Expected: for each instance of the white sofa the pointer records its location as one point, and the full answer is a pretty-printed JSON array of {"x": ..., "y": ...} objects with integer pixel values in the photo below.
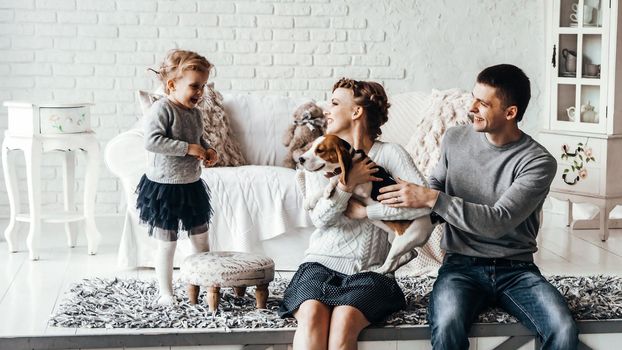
[{"x": 257, "y": 207}]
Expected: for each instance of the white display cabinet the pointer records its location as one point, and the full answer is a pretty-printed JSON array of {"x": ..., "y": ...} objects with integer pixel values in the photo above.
[{"x": 584, "y": 120}]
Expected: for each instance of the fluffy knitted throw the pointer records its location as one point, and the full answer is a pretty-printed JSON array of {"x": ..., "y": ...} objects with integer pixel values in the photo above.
[{"x": 446, "y": 109}]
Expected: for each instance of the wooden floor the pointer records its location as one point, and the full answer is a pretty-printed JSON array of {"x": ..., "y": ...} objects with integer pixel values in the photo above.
[{"x": 30, "y": 290}]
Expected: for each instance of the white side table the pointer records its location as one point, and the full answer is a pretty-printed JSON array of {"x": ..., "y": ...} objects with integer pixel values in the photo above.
[{"x": 34, "y": 143}]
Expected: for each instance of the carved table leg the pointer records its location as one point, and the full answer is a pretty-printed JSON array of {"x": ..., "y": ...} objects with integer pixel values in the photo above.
[
  {"x": 261, "y": 294},
  {"x": 10, "y": 177},
  {"x": 213, "y": 295},
  {"x": 193, "y": 293},
  {"x": 239, "y": 291}
]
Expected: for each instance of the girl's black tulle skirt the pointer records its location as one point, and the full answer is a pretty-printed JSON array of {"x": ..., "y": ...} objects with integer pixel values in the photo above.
[{"x": 173, "y": 206}]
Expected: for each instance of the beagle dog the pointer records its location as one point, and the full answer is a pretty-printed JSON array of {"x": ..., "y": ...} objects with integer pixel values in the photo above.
[{"x": 333, "y": 155}]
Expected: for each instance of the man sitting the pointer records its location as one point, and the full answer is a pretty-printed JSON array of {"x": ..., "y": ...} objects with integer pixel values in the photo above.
[{"x": 489, "y": 186}]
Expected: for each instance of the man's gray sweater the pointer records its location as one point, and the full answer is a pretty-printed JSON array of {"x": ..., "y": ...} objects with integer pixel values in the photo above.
[
  {"x": 491, "y": 197},
  {"x": 169, "y": 129}
]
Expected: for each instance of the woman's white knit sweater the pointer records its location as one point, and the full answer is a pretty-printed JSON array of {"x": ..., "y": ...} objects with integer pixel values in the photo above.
[{"x": 351, "y": 246}]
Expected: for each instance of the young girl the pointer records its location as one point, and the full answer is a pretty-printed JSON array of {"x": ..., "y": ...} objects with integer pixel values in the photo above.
[{"x": 171, "y": 192}]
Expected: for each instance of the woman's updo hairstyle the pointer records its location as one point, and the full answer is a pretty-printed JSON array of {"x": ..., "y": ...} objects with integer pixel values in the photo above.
[
  {"x": 179, "y": 61},
  {"x": 372, "y": 97}
]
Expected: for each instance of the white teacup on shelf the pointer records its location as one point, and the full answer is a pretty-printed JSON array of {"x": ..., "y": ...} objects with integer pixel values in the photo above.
[
  {"x": 592, "y": 70},
  {"x": 588, "y": 14},
  {"x": 570, "y": 111}
]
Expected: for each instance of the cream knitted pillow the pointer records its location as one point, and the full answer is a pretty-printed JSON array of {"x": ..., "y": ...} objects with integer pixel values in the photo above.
[
  {"x": 446, "y": 109},
  {"x": 406, "y": 109}
]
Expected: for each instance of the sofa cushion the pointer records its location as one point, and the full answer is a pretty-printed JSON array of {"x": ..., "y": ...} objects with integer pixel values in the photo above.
[
  {"x": 404, "y": 114},
  {"x": 259, "y": 122},
  {"x": 445, "y": 109},
  {"x": 216, "y": 130}
]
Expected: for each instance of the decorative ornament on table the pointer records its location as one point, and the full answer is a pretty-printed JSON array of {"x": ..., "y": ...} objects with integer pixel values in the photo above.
[
  {"x": 308, "y": 124},
  {"x": 576, "y": 171}
]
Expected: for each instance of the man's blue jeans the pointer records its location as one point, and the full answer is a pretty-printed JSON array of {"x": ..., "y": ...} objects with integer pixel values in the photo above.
[{"x": 466, "y": 286}]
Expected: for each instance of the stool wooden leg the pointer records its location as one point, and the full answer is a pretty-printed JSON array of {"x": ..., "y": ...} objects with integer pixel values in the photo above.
[
  {"x": 261, "y": 295},
  {"x": 239, "y": 291},
  {"x": 193, "y": 293},
  {"x": 213, "y": 295}
]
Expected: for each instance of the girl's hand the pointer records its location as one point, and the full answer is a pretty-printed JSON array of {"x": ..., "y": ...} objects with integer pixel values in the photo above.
[
  {"x": 196, "y": 151},
  {"x": 211, "y": 157},
  {"x": 362, "y": 172}
]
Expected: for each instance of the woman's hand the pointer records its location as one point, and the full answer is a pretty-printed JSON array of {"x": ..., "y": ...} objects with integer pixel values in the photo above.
[
  {"x": 362, "y": 172},
  {"x": 211, "y": 157},
  {"x": 355, "y": 210},
  {"x": 196, "y": 151},
  {"x": 408, "y": 195}
]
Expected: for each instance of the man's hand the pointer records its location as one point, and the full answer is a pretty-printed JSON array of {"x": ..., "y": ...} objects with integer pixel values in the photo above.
[
  {"x": 362, "y": 172},
  {"x": 355, "y": 210},
  {"x": 211, "y": 157},
  {"x": 196, "y": 151},
  {"x": 408, "y": 195}
]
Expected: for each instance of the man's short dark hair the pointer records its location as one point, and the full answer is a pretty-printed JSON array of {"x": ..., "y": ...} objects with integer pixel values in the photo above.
[{"x": 512, "y": 86}]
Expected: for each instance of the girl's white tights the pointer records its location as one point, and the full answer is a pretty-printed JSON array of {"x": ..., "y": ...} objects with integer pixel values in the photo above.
[{"x": 164, "y": 264}]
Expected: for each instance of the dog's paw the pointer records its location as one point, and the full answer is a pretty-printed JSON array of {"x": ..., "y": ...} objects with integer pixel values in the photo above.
[
  {"x": 406, "y": 258},
  {"x": 309, "y": 203},
  {"x": 307, "y": 206},
  {"x": 382, "y": 270},
  {"x": 327, "y": 193},
  {"x": 391, "y": 265}
]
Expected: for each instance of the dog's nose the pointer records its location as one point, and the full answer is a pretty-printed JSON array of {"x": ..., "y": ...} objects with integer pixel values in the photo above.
[{"x": 301, "y": 160}]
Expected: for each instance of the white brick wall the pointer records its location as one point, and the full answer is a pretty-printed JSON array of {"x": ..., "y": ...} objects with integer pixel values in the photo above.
[{"x": 98, "y": 50}]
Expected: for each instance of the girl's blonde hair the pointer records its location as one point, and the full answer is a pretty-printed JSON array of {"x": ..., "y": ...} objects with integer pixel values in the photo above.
[{"x": 179, "y": 61}]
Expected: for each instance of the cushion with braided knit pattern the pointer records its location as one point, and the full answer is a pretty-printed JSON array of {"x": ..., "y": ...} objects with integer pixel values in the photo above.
[{"x": 227, "y": 269}]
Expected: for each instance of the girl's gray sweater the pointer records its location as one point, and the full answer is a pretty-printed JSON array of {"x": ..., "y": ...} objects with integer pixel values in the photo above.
[{"x": 169, "y": 129}]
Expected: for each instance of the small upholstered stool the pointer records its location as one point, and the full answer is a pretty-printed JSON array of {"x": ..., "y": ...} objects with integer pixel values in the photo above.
[{"x": 227, "y": 269}]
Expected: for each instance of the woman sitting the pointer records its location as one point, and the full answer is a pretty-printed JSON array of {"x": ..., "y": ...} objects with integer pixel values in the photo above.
[{"x": 331, "y": 296}]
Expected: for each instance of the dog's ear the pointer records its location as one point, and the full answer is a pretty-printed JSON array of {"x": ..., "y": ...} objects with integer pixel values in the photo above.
[{"x": 345, "y": 160}]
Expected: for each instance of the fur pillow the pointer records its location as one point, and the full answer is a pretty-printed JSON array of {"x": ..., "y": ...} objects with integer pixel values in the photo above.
[
  {"x": 217, "y": 129},
  {"x": 447, "y": 108}
]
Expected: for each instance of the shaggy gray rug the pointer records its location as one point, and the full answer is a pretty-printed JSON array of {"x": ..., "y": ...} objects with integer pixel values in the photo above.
[{"x": 128, "y": 303}]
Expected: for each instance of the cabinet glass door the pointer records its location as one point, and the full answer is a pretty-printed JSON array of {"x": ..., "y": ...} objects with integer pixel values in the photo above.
[
  {"x": 578, "y": 93},
  {"x": 581, "y": 13}
]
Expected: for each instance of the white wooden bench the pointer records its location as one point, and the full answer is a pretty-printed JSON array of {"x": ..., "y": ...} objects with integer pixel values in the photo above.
[{"x": 278, "y": 339}]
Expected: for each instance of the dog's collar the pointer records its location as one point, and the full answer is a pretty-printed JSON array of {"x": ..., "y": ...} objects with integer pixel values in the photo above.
[
  {"x": 353, "y": 152},
  {"x": 335, "y": 172}
]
